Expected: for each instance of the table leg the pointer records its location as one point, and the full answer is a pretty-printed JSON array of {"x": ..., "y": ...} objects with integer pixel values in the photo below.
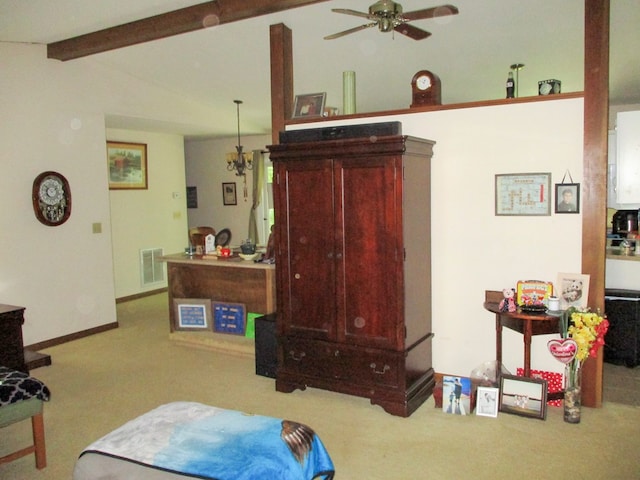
[
  {"x": 527, "y": 348},
  {"x": 498, "y": 343}
]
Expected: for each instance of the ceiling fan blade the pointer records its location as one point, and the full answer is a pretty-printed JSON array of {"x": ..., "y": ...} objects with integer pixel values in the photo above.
[
  {"x": 412, "y": 32},
  {"x": 351, "y": 30},
  {"x": 348, "y": 11},
  {"x": 441, "y": 11}
]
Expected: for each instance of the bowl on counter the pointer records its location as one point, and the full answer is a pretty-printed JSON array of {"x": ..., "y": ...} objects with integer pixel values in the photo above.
[{"x": 249, "y": 256}]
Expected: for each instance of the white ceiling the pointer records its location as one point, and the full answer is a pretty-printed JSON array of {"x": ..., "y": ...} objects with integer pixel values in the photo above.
[{"x": 470, "y": 52}]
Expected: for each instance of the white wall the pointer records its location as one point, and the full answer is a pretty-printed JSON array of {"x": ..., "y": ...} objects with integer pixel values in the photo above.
[
  {"x": 54, "y": 119},
  {"x": 152, "y": 218},
  {"x": 472, "y": 249},
  {"x": 206, "y": 169}
]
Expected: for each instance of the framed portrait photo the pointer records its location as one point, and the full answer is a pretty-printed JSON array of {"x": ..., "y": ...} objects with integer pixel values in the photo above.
[
  {"x": 567, "y": 198},
  {"x": 309, "y": 105},
  {"x": 487, "y": 401},
  {"x": 127, "y": 165},
  {"x": 523, "y": 396}
]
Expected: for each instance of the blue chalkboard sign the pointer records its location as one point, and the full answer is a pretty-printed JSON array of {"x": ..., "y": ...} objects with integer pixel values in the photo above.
[{"x": 229, "y": 318}]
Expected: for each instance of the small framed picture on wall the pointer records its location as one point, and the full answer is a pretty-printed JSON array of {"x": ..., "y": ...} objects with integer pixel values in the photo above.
[
  {"x": 229, "y": 196},
  {"x": 567, "y": 198}
]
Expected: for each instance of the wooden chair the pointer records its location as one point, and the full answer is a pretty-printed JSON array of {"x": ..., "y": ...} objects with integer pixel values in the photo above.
[{"x": 24, "y": 409}]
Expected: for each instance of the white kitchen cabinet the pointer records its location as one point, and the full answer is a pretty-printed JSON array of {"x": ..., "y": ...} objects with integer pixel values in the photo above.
[{"x": 628, "y": 157}]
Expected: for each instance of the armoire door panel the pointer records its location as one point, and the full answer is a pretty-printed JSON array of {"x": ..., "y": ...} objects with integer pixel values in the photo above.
[
  {"x": 310, "y": 249},
  {"x": 368, "y": 274}
]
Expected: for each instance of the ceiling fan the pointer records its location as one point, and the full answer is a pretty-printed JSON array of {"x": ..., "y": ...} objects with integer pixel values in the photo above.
[{"x": 387, "y": 16}]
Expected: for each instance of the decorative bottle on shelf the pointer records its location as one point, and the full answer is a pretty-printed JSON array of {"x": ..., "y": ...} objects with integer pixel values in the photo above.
[{"x": 511, "y": 86}]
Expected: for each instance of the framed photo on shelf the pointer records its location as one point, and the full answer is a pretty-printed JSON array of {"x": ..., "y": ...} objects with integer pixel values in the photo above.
[
  {"x": 127, "y": 165},
  {"x": 567, "y": 198},
  {"x": 192, "y": 313},
  {"x": 487, "y": 401},
  {"x": 309, "y": 105},
  {"x": 229, "y": 196},
  {"x": 523, "y": 396},
  {"x": 523, "y": 194},
  {"x": 573, "y": 290}
]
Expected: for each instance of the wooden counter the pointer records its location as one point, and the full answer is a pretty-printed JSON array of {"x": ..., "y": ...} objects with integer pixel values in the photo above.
[{"x": 231, "y": 280}]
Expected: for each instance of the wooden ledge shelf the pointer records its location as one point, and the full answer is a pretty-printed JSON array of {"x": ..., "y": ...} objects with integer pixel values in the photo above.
[{"x": 435, "y": 108}]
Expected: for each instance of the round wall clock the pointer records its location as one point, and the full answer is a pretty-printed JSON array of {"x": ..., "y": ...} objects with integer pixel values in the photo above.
[
  {"x": 51, "y": 198},
  {"x": 425, "y": 89}
]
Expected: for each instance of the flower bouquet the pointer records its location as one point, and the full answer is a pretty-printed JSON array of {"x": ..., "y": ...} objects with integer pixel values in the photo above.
[{"x": 582, "y": 334}]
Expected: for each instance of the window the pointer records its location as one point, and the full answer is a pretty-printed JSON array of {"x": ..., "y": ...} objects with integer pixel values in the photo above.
[{"x": 265, "y": 210}]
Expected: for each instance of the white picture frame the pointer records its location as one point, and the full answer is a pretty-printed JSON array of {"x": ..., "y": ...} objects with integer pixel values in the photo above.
[
  {"x": 192, "y": 314},
  {"x": 573, "y": 290},
  {"x": 487, "y": 401}
]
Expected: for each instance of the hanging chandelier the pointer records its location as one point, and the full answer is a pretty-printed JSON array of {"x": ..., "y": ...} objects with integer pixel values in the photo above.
[{"x": 239, "y": 161}]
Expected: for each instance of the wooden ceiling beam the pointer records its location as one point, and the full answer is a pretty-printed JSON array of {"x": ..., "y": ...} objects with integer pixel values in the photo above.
[{"x": 184, "y": 20}]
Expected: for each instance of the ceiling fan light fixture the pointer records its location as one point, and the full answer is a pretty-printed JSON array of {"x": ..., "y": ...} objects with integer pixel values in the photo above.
[
  {"x": 385, "y": 24},
  {"x": 388, "y": 16},
  {"x": 385, "y": 8}
]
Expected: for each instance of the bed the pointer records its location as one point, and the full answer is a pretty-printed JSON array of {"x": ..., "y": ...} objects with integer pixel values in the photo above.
[{"x": 190, "y": 440}]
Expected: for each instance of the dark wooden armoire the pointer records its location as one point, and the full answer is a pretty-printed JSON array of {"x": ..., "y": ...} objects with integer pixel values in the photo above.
[{"x": 353, "y": 263}]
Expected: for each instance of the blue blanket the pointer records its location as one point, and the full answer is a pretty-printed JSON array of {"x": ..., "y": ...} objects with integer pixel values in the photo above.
[{"x": 212, "y": 443}]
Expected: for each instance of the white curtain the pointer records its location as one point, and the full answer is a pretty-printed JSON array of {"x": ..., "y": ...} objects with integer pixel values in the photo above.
[{"x": 256, "y": 194}]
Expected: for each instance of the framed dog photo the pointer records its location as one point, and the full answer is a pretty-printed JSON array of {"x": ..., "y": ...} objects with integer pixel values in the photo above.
[
  {"x": 523, "y": 396},
  {"x": 567, "y": 198},
  {"x": 573, "y": 290}
]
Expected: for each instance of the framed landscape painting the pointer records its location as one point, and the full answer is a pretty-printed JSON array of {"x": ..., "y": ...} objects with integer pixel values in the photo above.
[{"x": 127, "y": 165}]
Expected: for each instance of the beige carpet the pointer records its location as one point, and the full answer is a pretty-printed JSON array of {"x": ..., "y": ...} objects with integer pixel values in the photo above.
[{"x": 102, "y": 381}]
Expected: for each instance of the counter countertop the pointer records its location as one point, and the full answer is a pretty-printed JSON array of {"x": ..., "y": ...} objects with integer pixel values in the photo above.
[
  {"x": 616, "y": 253},
  {"x": 210, "y": 260}
]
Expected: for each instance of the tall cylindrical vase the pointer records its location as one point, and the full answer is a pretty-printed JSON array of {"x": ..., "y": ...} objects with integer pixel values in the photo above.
[
  {"x": 572, "y": 392},
  {"x": 348, "y": 93}
]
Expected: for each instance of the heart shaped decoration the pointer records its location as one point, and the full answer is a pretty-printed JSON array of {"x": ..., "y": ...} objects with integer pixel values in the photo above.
[{"x": 563, "y": 350}]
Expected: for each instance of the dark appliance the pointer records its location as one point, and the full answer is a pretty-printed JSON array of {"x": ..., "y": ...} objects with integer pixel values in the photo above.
[
  {"x": 622, "y": 342},
  {"x": 624, "y": 222},
  {"x": 266, "y": 346}
]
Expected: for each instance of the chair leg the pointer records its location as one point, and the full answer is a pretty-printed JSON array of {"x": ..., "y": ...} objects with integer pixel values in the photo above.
[{"x": 37, "y": 425}]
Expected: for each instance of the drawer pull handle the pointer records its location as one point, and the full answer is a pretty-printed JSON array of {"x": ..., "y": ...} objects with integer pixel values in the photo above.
[
  {"x": 384, "y": 370},
  {"x": 295, "y": 357}
]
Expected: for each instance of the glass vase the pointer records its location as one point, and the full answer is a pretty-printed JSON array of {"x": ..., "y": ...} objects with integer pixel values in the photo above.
[{"x": 572, "y": 391}]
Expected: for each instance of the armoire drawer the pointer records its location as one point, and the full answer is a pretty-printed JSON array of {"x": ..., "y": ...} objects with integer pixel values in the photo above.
[{"x": 364, "y": 366}]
